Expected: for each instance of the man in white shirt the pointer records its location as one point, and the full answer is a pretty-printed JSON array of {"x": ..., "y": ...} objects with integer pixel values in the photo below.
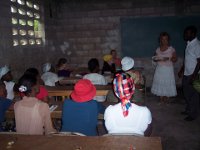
[
  {"x": 190, "y": 71},
  {"x": 95, "y": 77}
]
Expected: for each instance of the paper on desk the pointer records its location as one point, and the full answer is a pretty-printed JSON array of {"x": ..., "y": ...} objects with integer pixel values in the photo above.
[{"x": 53, "y": 107}]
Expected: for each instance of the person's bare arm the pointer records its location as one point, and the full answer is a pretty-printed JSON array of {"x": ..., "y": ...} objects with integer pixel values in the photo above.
[{"x": 174, "y": 57}]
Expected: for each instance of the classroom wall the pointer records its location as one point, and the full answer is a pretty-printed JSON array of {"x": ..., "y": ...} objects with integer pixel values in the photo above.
[{"x": 87, "y": 28}]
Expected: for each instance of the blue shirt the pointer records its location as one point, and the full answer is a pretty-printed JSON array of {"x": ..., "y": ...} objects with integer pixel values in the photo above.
[
  {"x": 80, "y": 117},
  {"x": 4, "y": 105}
]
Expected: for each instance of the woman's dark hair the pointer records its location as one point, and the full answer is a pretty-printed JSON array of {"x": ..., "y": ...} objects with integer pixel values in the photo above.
[
  {"x": 93, "y": 64},
  {"x": 28, "y": 81},
  {"x": 61, "y": 61},
  {"x": 163, "y": 34},
  {"x": 32, "y": 71}
]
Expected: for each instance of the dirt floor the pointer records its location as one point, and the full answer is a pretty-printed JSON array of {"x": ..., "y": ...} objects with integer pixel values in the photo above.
[{"x": 169, "y": 124}]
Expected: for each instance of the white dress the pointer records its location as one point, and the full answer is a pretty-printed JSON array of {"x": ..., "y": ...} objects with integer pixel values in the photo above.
[{"x": 164, "y": 80}]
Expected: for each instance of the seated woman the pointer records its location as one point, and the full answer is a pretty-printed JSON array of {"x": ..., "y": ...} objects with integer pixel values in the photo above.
[
  {"x": 62, "y": 68},
  {"x": 6, "y": 77},
  {"x": 80, "y": 113},
  {"x": 127, "y": 66},
  {"x": 4, "y": 103},
  {"x": 127, "y": 117},
  {"x": 43, "y": 93},
  {"x": 49, "y": 77},
  {"x": 31, "y": 115}
]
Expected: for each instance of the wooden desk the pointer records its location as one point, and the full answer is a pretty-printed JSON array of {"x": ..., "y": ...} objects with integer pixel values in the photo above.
[
  {"x": 52, "y": 142},
  {"x": 102, "y": 90},
  {"x": 57, "y": 113},
  {"x": 69, "y": 80}
]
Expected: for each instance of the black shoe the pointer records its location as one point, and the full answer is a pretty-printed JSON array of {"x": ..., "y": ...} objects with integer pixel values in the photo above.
[
  {"x": 184, "y": 113},
  {"x": 189, "y": 118}
]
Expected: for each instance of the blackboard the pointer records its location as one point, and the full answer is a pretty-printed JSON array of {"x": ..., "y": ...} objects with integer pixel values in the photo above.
[{"x": 140, "y": 35}]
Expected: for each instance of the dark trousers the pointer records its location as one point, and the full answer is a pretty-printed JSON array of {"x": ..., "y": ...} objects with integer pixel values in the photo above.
[{"x": 191, "y": 97}]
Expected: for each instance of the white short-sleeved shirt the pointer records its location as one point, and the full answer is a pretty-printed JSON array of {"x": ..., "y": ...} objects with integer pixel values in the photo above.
[
  {"x": 9, "y": 88},
  {"x": 50, "y": 78},
  {"x": 137, "y": 121},
  {"x": 192, "y": 52},
  {"x": 97, "y": 79}
]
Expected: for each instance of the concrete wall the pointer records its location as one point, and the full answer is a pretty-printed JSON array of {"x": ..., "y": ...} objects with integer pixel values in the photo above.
[{"x": 87, "y": 28}]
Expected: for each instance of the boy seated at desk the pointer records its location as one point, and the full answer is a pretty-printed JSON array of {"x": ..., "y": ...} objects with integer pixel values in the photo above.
[
  {"x": 80, "y": 113},
  {"x": 4, "y": 103},
  {"x": 95, "y": 77}
]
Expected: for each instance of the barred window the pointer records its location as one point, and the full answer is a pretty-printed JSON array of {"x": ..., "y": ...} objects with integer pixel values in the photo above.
[{"x": 27, "y": 24}]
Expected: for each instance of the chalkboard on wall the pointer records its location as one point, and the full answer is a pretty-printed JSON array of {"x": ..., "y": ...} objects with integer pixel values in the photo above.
[{"x": 140, "y": 35}]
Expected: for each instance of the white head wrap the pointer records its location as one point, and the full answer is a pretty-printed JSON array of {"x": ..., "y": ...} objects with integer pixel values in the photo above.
[
  {"x": 127, "y": 63},
  {"x": 4, "y": 70},
  {"x": 46, "y": 67}
]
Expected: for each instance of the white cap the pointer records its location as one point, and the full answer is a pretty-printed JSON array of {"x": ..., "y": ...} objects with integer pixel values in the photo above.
[
  {"x": 4, "y": 70},
  {"x": 46, "y": 67},
  {"x": 127, "y": 63}
]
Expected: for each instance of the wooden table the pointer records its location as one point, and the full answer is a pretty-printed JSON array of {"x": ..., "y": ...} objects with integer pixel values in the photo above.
[
  {"x": 102, "y": 90},
  {"x": 52, "y": 142},
  {"x": 57, "y": 113},
  {"x": 69, "y": 80}
]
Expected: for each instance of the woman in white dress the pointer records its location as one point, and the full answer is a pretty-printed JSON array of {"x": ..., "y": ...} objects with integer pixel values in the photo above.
[{"x": 164, "y": 81}]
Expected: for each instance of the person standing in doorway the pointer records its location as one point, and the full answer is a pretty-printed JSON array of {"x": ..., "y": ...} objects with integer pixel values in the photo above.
[{"x": 189, "y": 71}]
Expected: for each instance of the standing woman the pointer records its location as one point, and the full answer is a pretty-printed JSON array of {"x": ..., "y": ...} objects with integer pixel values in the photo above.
[{"x": 164, "y": 81}]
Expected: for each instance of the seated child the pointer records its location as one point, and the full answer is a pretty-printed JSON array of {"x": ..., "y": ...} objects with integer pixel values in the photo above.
[
  {"x": 108, "y": 66},
  {"x": 4, "y": 103},
  {"x": 31, "y": 115},
  {"x": 62, "y": 68},
  {"x": 127, "y": 117},
  {"x": 6, "y": 77},
  {"x": 115, "y": 59},
  {"x": 49, "y": 77},
  {"x": 95, "y": 77},
  {"x": 80, "y": 113}
]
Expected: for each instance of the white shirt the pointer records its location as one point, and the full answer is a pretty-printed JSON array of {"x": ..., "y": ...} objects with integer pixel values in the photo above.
[
  {"x": 97, "y": 79},
  {"x": 9, "y": 88},
  {"x": 137, "y": 121},
  {"x": 50, "y": 78},
  {"x": 192, "y": 52}
]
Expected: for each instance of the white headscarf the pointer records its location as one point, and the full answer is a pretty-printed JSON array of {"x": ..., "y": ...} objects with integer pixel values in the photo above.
[
  {"x": 4, "y": 70},
  {"x": 46, "y": 67}
]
